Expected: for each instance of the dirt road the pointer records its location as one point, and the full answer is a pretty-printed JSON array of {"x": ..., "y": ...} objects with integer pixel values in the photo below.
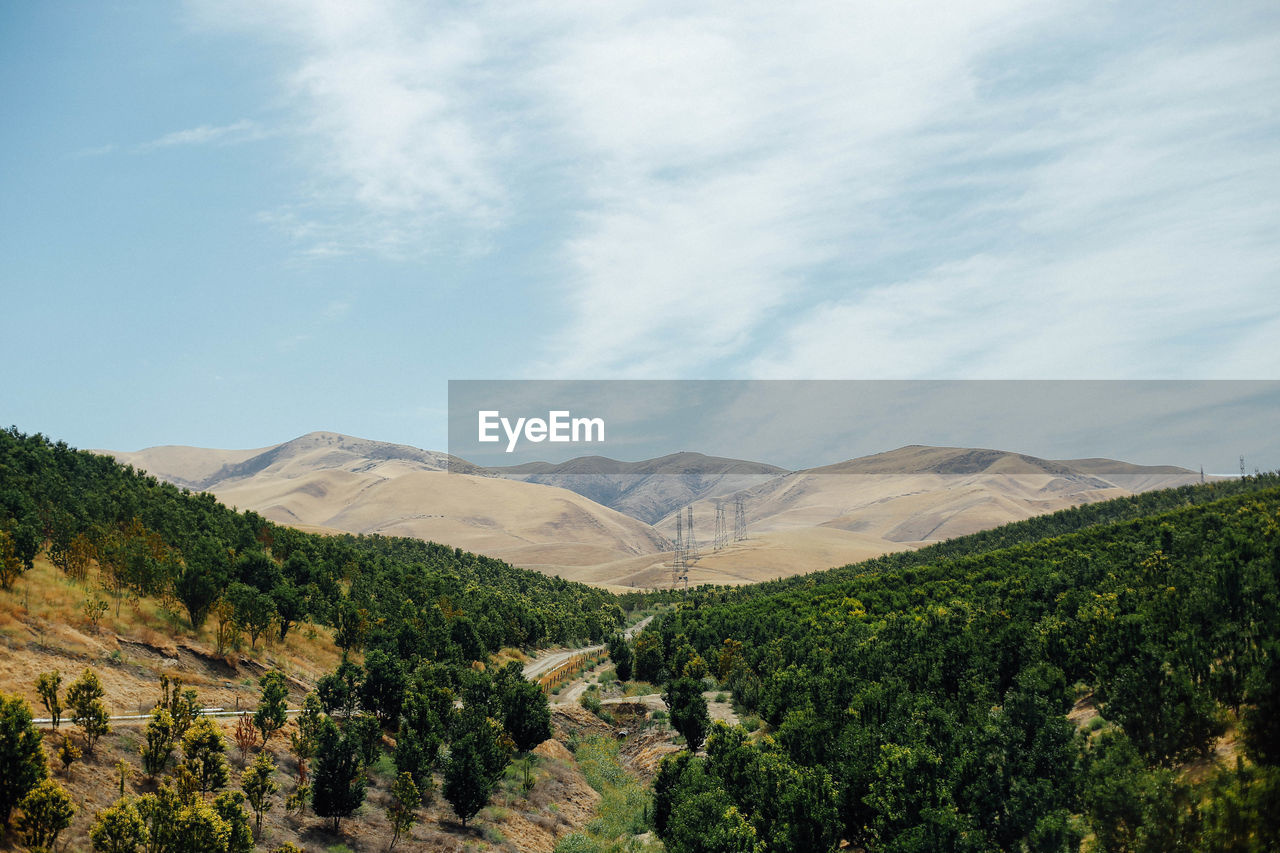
[{"x": 549, "y": 661}]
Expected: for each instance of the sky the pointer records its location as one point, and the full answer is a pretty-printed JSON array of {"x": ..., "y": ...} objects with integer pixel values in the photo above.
[{"x": 227, "y": 224}]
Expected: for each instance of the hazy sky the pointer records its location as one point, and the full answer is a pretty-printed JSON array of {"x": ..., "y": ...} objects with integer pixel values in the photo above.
[{"x": 227, "y": 224}]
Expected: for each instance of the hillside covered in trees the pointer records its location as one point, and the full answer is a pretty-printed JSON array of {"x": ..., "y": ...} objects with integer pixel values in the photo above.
[
  {"x": 153, "y": 539},
  {"x": 920, "y": 701},
  {"x": 414, "y": 700},
  {"x": 1105, "y": 677}
]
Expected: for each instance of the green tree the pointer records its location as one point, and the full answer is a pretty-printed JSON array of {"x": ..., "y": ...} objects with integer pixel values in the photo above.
[
  {"x": 183, "y": 704},
  {"x": 680, "y": 776},
  {"x": 339, "y": 691},
  {"x": 11, "y": 566},
  {"x": 352, "y": 626},
  {"x": 88, "y": 711},
  {"x": 259, "y": 787},
  {"x": 418, "y": 738},
  {"x": 161, "y": 814},
  {"x": 271, "y": 714},
  {"x": 908, "y": 787},
  {"x": 338, "y": 785},
  {"x": 382, "y": 691},
  {"x": 47, "y": 686},
  {"x": 200, "y": 829},
  {"x": 94, "y": 721},
  {"x": 708, "y": 822},
  {"x": 205, "y": 750},
  {"x": 253, "y": 610},
  {"x": 1166, "y": 713},
  {"x": 402, "y": 811},
  {"x": 648, "y": 657},
  {"x": 688, "y": 709},
  {"x": 119, "y": 829},
  {"x": 303, "y": 739},
  {"x": 526, "y": 714},
  {"x": 229, "y": 805},
  {"x": 365, "y": 732},
  {"x": 1262, "y": 718},
  {"x": 466, "y": 784},
  {"x": 46, "y": 811},
  {"x": 202, "y": 578},
  {"x": 621, "y": 655},
  {"x": 791, "y": 807},
  {"x": 159, "y": 745},
  {"x": 67, "y": 754},
  {"x": 292, "y": 604},
  {"x": 21, "y": 754}
]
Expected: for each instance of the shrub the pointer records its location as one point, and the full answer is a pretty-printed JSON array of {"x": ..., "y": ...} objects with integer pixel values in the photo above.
[{"x": 21, "y": 754}]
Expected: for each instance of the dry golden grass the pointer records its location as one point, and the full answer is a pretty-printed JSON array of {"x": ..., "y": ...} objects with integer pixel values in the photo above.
[
  {"x": 505, "y": 656},
  {"x": 44, "y": 627}
]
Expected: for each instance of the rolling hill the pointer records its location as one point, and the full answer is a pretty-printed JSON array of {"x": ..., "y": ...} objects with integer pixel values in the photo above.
[
  {"x": 330, "y": 481},
  {"x": 610, "y": 523},
  {"x": 904, "y": 498},
  {"x": 650, "y": 489}
]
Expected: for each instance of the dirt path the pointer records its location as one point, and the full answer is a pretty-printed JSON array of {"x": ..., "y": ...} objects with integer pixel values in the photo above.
[
  {"x": 571, "y": 691},
  {"x": 720, "y": 710},
  {"x": 550, "y": 660}
]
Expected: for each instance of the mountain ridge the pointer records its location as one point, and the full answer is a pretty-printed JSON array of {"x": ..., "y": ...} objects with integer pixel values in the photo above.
[{"x": 612, "y": 522}]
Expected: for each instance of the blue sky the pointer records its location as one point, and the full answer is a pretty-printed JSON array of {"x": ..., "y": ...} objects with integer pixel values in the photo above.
[{"x": 227, "y": 224}]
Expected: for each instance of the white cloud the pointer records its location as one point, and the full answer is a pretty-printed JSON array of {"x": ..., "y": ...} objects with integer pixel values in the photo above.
[
  {"x": 1135, "y": 245},
  {"x": 384, "y": 99},
  {"x": 240, "y": 131},
  {"x": 996, "y": 188}
]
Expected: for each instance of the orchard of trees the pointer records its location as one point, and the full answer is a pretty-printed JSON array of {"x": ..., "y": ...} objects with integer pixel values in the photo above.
[
  {"x": 412, "y": 619},
  {"x": 918, "y": 701},
  {"x": 260, "y": 580}
]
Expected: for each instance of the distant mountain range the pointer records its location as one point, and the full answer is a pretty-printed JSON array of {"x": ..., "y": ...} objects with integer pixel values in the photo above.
[
  {"x": 610, "y": 522},
  {"x": 649, "y": 490}
]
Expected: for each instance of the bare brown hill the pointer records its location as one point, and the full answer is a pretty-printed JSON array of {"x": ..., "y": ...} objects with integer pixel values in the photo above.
[
  {"x": 796, "y": 521},
  {"x": 650, "y": 489},
  {"x": 904, "y": 498},
  {"x": 339, "y": 482}
]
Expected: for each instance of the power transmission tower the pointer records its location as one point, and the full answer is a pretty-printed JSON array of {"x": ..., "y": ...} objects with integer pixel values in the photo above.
[
  {"x": 722, "y": 532},
  {"x": 739, "y": 521},
  {"x": 679, "y": 563},
  {"x": 691, "y": 544},
  {"x": 1242, "y": 472}
]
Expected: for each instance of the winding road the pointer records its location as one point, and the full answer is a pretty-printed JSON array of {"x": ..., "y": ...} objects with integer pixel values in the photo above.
[{"x": 543, "y": 664}]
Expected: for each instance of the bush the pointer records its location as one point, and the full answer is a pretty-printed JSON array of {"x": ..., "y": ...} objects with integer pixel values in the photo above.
[
  {"x": 46, "y": 811},
  {"x": 21, "y": 753}
]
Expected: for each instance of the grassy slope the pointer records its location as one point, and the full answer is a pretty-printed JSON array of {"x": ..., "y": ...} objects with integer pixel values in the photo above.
[{"x": 43, "y": 627}]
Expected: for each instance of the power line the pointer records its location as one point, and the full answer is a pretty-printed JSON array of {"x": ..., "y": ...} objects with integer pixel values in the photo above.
[
  {"x": 722, "y": 532},
  {"x": 680, "y": 563},
  {"x": 691, "y": 543}
]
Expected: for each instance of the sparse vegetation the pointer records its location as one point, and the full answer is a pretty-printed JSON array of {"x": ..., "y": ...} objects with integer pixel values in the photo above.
[
  {"x": 625, "y": 802},
  {"x": 259, "y": 787}
]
